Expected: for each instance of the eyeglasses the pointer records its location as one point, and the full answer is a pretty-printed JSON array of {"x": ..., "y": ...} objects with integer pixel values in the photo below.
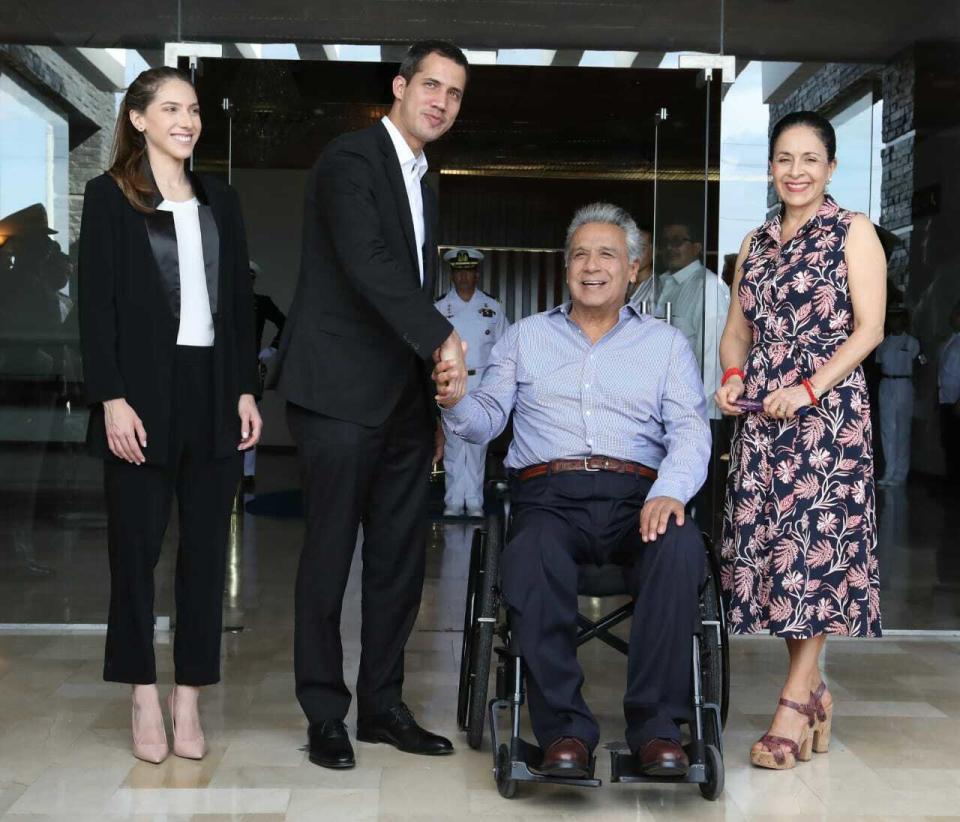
[{"x": 676, "y": 242}]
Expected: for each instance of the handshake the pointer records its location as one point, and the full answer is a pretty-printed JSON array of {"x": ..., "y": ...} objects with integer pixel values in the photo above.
[{"x": 450, "y": 371}]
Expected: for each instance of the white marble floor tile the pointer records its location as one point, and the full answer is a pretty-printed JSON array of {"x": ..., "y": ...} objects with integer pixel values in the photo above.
[
  {"x": 333, "y": 804},
  {"x": 913, "y": 710},
  {"x": 60, "y": 790},
  {"x": 305, "y": 777},
  {"x": 201, "y": 801},
  {"x": 277, "y": 748}
]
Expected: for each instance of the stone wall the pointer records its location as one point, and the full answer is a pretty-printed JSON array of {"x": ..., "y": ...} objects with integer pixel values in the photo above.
[
  {"x": 837, "y": 84},
  {"x": 90, "y": 113}
]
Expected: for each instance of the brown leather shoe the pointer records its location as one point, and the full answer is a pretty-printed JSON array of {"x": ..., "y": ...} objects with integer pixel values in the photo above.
[
  {"x": 566, "y": 756},
  {"x": 662, "y": 757}
]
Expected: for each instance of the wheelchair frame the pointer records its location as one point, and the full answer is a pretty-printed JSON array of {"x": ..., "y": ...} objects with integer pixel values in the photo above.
[{"x": 515, "y": 760}]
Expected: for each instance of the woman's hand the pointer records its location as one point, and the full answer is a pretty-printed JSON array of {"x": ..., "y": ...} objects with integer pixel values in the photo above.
[
  {"x": 727, "y": 395},
  {"x": 250, "y": 423},
  {"x": 125, "y": 432},
  {"x": 784, "y": 403}
]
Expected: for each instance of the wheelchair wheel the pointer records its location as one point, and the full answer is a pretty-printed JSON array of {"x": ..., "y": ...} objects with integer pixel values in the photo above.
[
  {"x": 479, "y": 622},
  {"x": 505, "y": 785},
  {"x": 714, "y": 656},
  {"x": 713, "y": 787},
  {"x": 469, "y": 616},
  {"x": 488, "y": 596}
]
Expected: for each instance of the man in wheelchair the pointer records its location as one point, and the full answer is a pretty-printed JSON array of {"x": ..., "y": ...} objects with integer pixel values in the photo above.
[{"x": 610, "y": 442}]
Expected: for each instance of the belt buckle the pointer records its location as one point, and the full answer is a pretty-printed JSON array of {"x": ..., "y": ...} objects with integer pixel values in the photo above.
[{"x": 586, "y": 466}]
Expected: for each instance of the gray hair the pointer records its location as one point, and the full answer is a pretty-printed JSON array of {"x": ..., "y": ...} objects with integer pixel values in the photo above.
[{"x": 611, "y": 215}]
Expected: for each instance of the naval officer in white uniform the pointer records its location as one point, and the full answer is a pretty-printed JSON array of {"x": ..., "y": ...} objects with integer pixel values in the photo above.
[
  {"x": 480, "y": 322},
  {"x": 896, "y": 356}
]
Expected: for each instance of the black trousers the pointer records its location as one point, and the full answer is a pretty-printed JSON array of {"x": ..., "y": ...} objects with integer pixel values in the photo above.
[
  {"x": 708, "y": 501},
  {"x": 950, "y": 440},
  {"x": 574, "y": 518},
  {"x": 377, "y": 477},
  {"x": 139, "y": 498}
]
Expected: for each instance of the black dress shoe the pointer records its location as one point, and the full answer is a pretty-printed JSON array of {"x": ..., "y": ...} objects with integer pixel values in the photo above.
[
  {"x": 330, "y": 745},
  {"x": 397, "y": 727},
  {"x": 662, "y": 757}
]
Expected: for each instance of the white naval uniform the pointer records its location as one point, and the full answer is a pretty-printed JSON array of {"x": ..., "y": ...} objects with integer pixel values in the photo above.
[
  {"x": 700, "y": 301},
  {"x": 895, "y": 356},
  {"x": 643, "y": 293},
  {"x": 480, "y": 322}
]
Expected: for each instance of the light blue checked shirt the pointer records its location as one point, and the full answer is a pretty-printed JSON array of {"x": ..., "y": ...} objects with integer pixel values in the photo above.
[{"x": 635, "y": 395}]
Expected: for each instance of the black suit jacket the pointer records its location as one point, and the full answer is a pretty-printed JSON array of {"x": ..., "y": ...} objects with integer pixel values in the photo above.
[
  {"x": 360, "y": 318},
  {"x": 129, "y": 303}
]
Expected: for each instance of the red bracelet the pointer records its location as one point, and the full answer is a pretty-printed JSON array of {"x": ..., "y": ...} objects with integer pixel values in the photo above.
[
  {"x": 813, "y": 396},
  {"x": 730, "y": 372}
]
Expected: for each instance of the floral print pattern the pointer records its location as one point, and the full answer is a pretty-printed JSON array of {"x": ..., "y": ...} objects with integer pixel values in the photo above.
[{"x": 799, "y": 530}]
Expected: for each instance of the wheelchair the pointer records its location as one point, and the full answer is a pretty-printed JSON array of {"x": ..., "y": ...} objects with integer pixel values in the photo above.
[{"x": 514, "y": 759}]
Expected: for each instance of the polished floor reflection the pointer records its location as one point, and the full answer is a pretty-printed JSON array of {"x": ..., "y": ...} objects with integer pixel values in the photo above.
[
  {"x": 53, "y": 564},
  {"x": 64, "y": 734},
  {"x": 919, "y": 561}
]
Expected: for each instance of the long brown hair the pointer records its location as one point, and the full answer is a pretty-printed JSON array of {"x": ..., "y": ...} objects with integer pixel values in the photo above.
[{"x": 128, "y": 159}]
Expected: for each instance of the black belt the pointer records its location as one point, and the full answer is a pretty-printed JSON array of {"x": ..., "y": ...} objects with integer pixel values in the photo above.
[{"x": 895, "y": 376}]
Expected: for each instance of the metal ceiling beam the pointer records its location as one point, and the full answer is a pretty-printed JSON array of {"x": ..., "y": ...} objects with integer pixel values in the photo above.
[
  {"x": 567, "y": 57},
  {"x": 754, "y": 29}
]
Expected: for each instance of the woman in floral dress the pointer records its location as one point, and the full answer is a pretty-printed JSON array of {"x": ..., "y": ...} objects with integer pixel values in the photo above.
[{"x": 799, "y": 534}]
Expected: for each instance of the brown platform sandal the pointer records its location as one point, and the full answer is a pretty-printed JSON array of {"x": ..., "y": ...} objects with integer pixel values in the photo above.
[
  {"x": 780, "y": 753},
  {"x": 822, "y": 720}
]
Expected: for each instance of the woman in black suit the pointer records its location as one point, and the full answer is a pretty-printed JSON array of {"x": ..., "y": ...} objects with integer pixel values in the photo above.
[{"x": 166, "y": 323}]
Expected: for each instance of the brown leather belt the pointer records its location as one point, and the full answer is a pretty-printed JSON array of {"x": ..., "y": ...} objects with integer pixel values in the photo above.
[{"x": 597, "y": 463}]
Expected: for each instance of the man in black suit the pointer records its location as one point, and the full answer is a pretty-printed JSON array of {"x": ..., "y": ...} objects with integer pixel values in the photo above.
[{"x": 355, "y": 361}]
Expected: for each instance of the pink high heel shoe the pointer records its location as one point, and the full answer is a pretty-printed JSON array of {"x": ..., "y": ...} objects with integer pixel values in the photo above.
[
  {"x": 154, "y": 752},
  {"x": 185, "y": 748}
]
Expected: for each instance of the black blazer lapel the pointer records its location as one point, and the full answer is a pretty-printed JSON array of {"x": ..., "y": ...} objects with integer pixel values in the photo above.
[
  {"x": 210, "y": 238},
  {"x": 428, "y": 250},
  {"x": 395, "y": 176},
  {"x": 162, "y": 232},
  {"x": 163, "y": 242}
]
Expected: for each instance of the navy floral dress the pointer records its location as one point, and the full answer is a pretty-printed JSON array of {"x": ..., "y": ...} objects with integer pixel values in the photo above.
[{"x": 799, "y": 529}]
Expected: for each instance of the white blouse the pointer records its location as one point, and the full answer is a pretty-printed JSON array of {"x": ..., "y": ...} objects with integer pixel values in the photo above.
[{"x": 196, "y": 321}]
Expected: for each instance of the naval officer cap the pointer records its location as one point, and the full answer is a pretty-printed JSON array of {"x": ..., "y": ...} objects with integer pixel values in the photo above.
[{"x": 463, "y": 257}]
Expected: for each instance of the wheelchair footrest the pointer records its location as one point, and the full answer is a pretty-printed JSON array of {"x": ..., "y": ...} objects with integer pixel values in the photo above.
[
  {"x": 623, "y": 769},
  {"x": 523, "y": 768}
]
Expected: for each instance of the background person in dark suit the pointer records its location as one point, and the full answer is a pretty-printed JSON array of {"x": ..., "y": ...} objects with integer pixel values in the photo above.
[
  {"x": 166, "y": 331},
  {"x": 355, "y": 360},
  {"x": 264, "y": 309}
]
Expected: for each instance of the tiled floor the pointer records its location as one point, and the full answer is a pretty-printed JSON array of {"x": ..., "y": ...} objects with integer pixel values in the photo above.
[{"x": 64, "y": 734}]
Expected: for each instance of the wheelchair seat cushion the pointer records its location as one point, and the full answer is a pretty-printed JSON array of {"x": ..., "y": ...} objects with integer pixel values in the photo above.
[{"x": 601, "y": 580}]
